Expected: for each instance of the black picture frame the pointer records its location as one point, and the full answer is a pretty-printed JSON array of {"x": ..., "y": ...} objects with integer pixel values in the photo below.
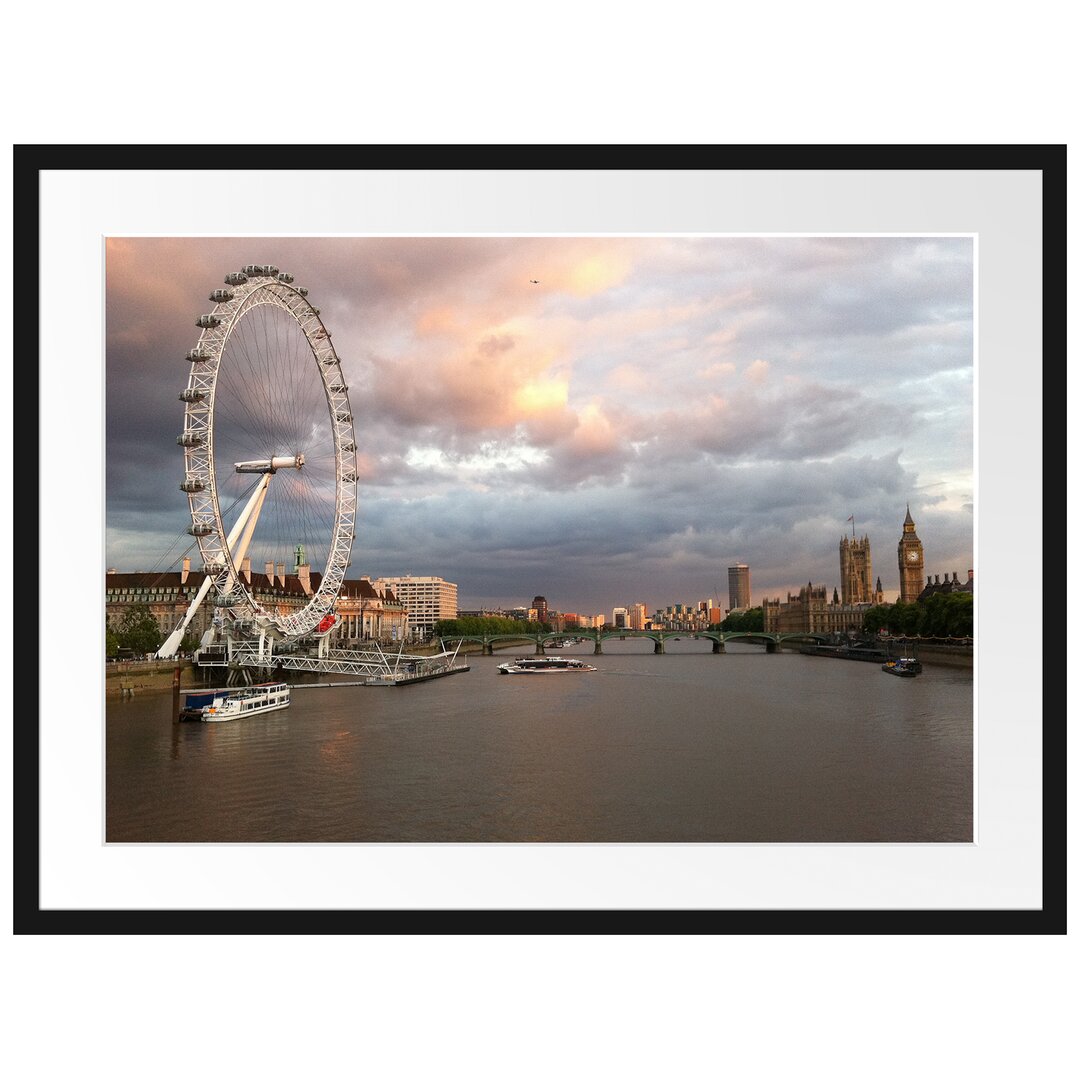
[{"x": 30, "y": 161}]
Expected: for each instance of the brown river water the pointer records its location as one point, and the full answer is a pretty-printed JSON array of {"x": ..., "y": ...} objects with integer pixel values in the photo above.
[{"x": 742, "y": 747}]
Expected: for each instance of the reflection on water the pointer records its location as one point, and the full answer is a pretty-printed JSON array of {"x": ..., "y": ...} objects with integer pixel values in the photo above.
[{"x": 689, "y": 746}]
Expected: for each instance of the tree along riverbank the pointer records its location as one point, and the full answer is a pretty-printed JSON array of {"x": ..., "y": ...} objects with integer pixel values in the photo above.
[{"x": 946, "y": 655}]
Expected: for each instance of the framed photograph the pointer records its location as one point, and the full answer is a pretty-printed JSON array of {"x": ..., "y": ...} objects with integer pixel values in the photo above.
[{"x": 699, "y": 445}]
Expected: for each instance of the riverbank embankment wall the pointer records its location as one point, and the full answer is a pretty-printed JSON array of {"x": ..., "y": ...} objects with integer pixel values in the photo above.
[{"x": 131, "y": 676}]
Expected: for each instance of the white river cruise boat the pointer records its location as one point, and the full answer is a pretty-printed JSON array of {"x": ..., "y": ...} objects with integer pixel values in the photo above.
[
  {"x": 219, "y": 705},
  {"x": 533, "y": 665}
]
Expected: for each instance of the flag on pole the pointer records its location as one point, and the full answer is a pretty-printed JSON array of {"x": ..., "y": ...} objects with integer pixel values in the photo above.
[{"x": 852, "y": 518}]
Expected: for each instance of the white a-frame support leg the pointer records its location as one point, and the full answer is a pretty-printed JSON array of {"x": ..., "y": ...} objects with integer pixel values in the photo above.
[{"x": 248, "y": 516}]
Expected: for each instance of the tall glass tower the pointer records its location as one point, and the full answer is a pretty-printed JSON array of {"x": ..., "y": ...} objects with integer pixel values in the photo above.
[{"x": 738, "y": 577}]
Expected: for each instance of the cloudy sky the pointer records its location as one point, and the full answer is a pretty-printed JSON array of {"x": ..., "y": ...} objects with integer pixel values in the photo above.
[{"x": 650, "y": 411}]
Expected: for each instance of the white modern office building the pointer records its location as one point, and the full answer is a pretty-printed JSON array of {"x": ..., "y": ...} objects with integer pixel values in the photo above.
[{"x": 428, "y": 599}]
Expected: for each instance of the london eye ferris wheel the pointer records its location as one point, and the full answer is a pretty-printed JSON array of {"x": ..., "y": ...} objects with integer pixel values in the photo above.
[{"x": 269, "y": 450}]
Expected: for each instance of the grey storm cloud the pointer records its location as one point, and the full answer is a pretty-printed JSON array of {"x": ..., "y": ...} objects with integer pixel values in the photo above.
[{"x": 653, "y": 409}]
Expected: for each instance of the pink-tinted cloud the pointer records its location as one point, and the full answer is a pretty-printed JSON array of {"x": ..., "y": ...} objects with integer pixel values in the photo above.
[{"x": 757, "y": 371}]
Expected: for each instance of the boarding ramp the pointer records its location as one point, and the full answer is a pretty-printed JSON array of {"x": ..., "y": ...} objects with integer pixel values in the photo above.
[{"x": 373, "y": 666}]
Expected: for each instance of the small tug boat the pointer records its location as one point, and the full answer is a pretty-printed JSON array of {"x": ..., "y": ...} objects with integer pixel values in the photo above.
[
  {"x": 906, "y": 666},
  {"x": 532, "y": 665},
  {"x": 228, "y": 704}
]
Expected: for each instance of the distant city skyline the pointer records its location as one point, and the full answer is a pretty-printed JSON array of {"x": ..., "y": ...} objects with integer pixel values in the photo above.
[{"x": 600, "y": 420}]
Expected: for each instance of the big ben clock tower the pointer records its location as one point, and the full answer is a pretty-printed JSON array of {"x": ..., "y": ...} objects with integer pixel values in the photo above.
[{"x": 909, "y": 553}]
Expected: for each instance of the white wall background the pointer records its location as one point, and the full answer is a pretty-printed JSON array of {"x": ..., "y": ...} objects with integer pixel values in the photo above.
[{"x": 518, "y": 1005}]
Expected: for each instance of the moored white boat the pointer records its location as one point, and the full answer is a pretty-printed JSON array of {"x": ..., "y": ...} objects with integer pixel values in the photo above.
[
  {"x": 533, "y": 665},
  {"x": 246, "y": 701}
]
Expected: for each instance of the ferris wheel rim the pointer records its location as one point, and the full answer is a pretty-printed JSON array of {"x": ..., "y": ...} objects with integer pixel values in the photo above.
[{"x": 264, "y": 285}]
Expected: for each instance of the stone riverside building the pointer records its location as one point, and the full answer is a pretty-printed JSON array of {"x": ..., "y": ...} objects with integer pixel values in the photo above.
[
  {"x": 364, "y": 612},
  {"x": 811, "y": 611},
  {"x": 856, "y": 573},
  {"x": 909, "y": 556},
  {"x": 911, "y": 559},
  {"x": 931, "y": 588}
]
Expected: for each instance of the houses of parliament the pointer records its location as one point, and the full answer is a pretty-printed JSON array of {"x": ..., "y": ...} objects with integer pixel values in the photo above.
[{"x": 812, "y": 610}]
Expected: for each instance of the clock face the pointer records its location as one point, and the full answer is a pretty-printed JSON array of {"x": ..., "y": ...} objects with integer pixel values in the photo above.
[{"x": 912, "y": 556}]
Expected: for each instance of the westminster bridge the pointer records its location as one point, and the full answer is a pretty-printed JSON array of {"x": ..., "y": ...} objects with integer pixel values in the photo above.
[{"x": 719, "y": 639}]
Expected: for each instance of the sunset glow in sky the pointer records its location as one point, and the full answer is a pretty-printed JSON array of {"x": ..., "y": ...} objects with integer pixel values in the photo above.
[{"x": 650, "y": 411}]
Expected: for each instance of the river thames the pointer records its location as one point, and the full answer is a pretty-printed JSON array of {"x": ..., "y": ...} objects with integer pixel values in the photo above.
[{"x": 742, "y": 747}]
